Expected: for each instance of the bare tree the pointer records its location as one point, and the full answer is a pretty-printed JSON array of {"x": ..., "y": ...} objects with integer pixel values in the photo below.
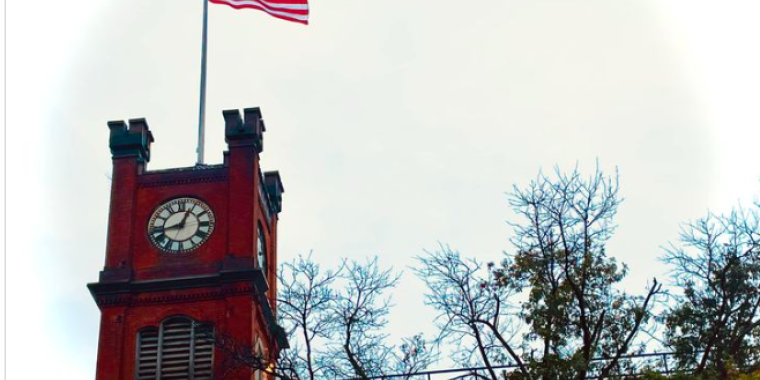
[
  {"x": 306, "y": 299},
  {"x": 360, "y": 312},
  {"x": 573, "y": 311},
  {"x": 239, "y": 361},
  {"x": 473, "y": 312},
  {"x": 716, "y": 324},
  {"x": 336, "y": 319},
  {"x": 414, "y": 355}
]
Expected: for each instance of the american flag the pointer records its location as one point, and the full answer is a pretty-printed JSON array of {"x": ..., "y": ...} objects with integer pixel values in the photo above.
[{"x": 291, "y": 10}]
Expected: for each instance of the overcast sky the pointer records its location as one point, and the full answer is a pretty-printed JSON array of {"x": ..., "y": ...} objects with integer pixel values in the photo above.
[{"x": 395, "y": 124}]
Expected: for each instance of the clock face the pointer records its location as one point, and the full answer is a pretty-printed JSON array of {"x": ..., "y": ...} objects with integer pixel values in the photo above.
[{"x": 181, "y": 225}]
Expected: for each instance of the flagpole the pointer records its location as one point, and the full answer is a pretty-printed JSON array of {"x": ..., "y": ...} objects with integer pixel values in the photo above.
[{"x": 202, "y": 112}]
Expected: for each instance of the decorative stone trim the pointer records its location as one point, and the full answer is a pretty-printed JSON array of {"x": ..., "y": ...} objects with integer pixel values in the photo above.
[
  {"x": 182, "y": 181},
  {"x": 151, "y": 299},
  {"x": 196, "y": 168}
]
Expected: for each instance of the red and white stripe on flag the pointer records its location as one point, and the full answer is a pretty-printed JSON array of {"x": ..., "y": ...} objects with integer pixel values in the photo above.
[{"x": 291, "y": 10}]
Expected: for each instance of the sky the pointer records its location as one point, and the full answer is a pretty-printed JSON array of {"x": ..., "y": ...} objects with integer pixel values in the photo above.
[{"x": 396, "y": 125}]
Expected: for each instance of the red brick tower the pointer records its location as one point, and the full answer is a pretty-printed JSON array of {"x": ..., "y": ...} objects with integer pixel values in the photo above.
[{"x": 189, "y": 250}]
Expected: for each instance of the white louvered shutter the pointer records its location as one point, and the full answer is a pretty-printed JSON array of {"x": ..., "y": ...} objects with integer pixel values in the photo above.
[
  {"x": 203, "y": 353},
  {"x": 176, "y": 343},
  {"x": 180, "y": 349},
  {"x": 147, "y": 354}
]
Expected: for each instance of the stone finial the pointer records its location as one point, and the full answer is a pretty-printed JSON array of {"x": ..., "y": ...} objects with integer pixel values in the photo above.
[
  {"x": 245, "y": 131},
  {"x": 274, "y": 188},
  {"x": 130, "y": 140}
]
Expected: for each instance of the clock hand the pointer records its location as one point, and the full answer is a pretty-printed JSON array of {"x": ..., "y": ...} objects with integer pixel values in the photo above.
[
  {"x": 175, "y": 225},
  {"x": 182, "y": 223}
]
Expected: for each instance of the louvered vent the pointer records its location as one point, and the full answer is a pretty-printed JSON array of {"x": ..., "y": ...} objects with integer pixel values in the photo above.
[
  {"x": 147, "y": 354},
  {"x": 176, "y": 343},
  {"x": 203, "y": 353},
  {"x": 180, "y": 349}
]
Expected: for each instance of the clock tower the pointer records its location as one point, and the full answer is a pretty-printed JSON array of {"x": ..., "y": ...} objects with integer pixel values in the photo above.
[{"x": 191, "y": 257}]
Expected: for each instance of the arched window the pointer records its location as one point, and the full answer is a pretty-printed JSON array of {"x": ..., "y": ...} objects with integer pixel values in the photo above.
[
  {"x": 178, "y": 349},
  {"x": 261, "y": 251}
]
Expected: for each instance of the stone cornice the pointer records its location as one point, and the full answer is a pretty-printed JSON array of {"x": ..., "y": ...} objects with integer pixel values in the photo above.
[
  {"x": 201, "y": 287},
  {"x": 122, "y": 299},
  {"x": 215, "y": 280}
]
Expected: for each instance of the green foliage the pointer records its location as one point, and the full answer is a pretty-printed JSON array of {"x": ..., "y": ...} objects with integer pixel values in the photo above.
[
  {"x": 573, "y": 310},
  {"x": 552, "y": 308},
  {"x": 716, "y": 324},
  {"x": 732, "y": 375}
]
